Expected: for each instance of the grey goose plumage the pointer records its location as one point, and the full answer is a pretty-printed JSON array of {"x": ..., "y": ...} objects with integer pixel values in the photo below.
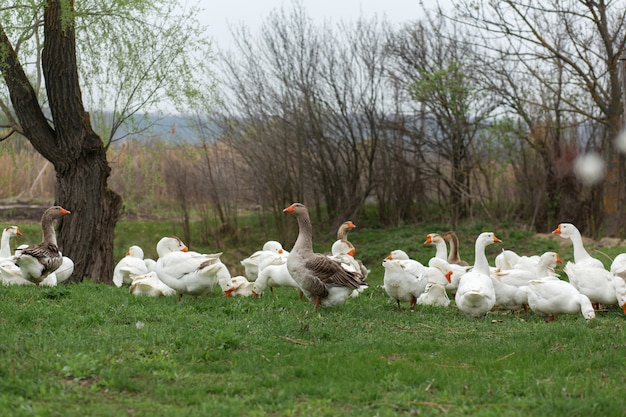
[
  {"x": 37, "y": 261},
  {"x": 320, "y": 278}
]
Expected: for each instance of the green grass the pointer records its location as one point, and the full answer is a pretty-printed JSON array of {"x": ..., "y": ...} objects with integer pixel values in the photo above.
[{"x": 93, "y": 349}]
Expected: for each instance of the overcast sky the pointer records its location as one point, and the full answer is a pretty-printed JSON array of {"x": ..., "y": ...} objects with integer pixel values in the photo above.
[{"x": 220, "y": 15}]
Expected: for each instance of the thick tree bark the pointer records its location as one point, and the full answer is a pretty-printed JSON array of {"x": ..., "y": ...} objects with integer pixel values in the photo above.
[{"x": 76, "y": 152}]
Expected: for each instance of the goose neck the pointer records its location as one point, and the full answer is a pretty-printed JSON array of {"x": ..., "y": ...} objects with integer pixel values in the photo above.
[
  {"x": 47, "y": 229},
  {"x": 442, "y": 251},
  {"x": 5, "y": 245},
  {"x": 580, "y": 252},
  {"x": 480, "y": 259},
  {"x": 304, "y": 242}
]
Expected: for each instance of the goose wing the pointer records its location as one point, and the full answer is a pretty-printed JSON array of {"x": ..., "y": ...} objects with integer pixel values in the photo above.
[{"x": 331, "y": 273}]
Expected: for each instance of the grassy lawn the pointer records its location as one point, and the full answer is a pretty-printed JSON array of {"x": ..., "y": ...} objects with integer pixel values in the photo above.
[{"x": 93, "y": 349}]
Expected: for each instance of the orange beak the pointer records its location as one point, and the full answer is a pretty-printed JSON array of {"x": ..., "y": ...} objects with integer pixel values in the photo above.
[
  {"x": 624, "y": 308},
  {"x": 255, "y": 294},
  {"x": 496, "y": 240},
  {"x": 351, "y": 252},
  {"x": 389, "y": 257},
  {"x": 351, "y": 225},
  {"x": 557, "y": 230},
  {"x": 289, "y": 209},
  {"x": 448, "y": 275},
  {"x": 280, "y": 251},
  {"x": 128, "y": 252},
  {"x": 229, "y": 292},
  {"x": 184, "y": 249},
  {"x": 63, "y": 211},
  {"x": 17, "y": 232},
  {"x": 558, "y": 259},
  {"x": 429, "y": 240}
]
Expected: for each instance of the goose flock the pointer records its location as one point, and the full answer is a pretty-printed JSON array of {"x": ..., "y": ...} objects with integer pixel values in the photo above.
[
  {"x": 38, "y": 264},
  {"x": 515, "y": 282}
]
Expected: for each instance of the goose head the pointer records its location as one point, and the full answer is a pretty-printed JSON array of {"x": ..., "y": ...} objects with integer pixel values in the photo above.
[
  {"x": 170, "y": 244},
  {"x": 433, "y": 239},
  {"x": 296, "y": 209},
  {"x": 487, "y": 238},
  {"x": 273, "y": 246},
  {"x": 550, "y": 259},
  {"x": 12, "y": 231},
  {"x": 566, "y": 230},
  {"x": 135, "y": 251},
  {"x": 345, "y": 227},
  {"x": 341, "y": 247},
  {"x": 398, "y": 254},
  {"x": 392, "y": 265}
]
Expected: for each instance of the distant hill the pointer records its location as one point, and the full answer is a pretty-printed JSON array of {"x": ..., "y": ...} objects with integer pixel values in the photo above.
[{"x": 171, "y": 128}]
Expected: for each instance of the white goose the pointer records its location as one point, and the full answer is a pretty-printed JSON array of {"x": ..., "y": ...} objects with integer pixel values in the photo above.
[
  {"x": 476, "y": 296},
  {"x": 321, "y": 280},
  {"x": 434, "y": 295},
  {"x": 150, "y": 264},
  {"x": 410, "y": 265},
  {"x": 129, "y": 267},
  {"x": 188, "y": 272},
  {"x": 587, "y": 274},
  {"x": 273, "y": 276},
  {"x": 149, "y": 285},
  {"x": 552, "y": 297},
  {"x": 438, "y": 271},
  {"x": 401, "y": 284},
  {"x": 440, "y": 245},
  {"x": 270, "y": 248},
  {"x": 5, "y": 244},
  {"x": 508, "y": 259},
  {"x": 458, "y": 270},
  {"x": 509, "y": 296},
  {"x": 581, "y": 256},
  {"x": 37, "y": 261},
  {"x": 237, "y": 286},
  {"x": 342, "y": 251},
  {"x": 520, "y": 277},
  {"x": 11, "y": 274},
  {"x": 596, "y": 283}
]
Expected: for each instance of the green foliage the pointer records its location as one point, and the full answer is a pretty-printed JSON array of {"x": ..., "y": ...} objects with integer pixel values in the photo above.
[
  {"x": 67, "y": 14},
  {"x": 448, "y": 87}
]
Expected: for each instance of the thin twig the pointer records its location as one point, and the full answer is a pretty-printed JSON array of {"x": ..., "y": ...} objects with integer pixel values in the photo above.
[
  {"x": 296, "y": 341},
  {"x": 505, "y": 357}
]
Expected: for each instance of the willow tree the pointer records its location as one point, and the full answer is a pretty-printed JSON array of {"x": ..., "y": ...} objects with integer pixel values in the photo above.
[{"x": 38, "y": 47}]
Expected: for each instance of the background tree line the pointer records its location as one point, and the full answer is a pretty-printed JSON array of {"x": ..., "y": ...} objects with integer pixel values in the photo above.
[
  {"x": 477, "y": 113},
  {"x": 480, "y": 113}
]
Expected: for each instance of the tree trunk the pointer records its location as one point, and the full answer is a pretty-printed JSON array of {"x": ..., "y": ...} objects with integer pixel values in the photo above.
[{"x": 86, "y": 236}]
